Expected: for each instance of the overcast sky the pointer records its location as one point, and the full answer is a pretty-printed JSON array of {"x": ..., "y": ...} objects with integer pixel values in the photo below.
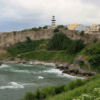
[{"x": 17, "y": 15}]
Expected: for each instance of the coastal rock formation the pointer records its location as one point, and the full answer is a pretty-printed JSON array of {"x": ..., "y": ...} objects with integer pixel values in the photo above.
[
  {"x": 1, "y": 63},
  {"x": 72, "y": 68},
  {"x": 80, "y": 58}
]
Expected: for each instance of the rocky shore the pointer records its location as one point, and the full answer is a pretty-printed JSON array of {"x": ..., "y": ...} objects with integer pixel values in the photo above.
[
  {"x": 74, "y": 70},
  {"x": 66, "y": 68}
]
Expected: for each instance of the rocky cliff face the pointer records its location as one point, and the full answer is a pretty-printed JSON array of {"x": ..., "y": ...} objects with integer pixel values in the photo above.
[{"x": 7, "y": 39}]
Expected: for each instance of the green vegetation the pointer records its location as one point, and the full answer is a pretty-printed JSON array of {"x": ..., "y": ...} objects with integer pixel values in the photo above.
[
  {"x": 67, "y": 49},
  {"x": 52, "y": 91},
  {"x": 15, "y": 32},
  {"x": 66, "y": 28},
  {"x": 45, "y": 27},
  {"x": 22, "y": 47},
  {"x": 48, "y": 56},
  {"x": 82, "y": 64},
  {"x": 95, "y": 40},
  {"x": 6, "y": 55},
  {"x": 60, "y": 26},
  {"x": 56, "y": 30},
  {"x": 89, "y": 91},
  {"x": 32, "y": 29},
  {"x": 94, "y": 55},
  {"x": 61, "y": 42},
  {"x": 99, "y": 29},
  {"x": 75, "y": 46},
  {"x": 82, "y": 33}
]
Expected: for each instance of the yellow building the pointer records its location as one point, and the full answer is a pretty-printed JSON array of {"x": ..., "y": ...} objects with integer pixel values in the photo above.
[
  {"x": 93, "y": 28},
  {"x": 72, "y": 26}
]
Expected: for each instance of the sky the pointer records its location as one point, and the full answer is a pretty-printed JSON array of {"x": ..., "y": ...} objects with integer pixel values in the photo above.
[{"x": 16, "y": 15}]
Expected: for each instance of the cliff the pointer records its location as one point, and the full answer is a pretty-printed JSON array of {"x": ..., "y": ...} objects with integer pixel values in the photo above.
[{"x": 8, "y": 39}]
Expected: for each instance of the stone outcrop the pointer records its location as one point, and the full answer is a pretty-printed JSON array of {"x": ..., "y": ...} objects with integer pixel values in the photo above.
[
  {"x": 80, "y": 58},
  {"x": 8, "y": 39},
  {"x": 71, "y": 68},
  {"x": 1, "y": 63}
]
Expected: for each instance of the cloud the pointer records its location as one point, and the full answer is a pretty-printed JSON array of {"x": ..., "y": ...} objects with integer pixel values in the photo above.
[{"x": 40, "y": 12}]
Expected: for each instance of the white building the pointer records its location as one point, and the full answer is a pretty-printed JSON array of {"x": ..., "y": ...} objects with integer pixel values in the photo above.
[
  {"x": 80, "y": 28},
  {"x": 49, "y": 27}
]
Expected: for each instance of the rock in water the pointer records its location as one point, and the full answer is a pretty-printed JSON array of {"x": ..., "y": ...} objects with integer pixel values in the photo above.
[{"x": 1, "y": 63}]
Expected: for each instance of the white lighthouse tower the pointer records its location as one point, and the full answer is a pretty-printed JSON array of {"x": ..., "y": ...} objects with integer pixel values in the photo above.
[{"x": 53, "y": 22}]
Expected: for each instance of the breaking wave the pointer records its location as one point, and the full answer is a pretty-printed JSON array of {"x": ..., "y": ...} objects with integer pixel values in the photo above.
[
  {"x": 12, "y": 85},
  {"x": 4, "y": 65}
]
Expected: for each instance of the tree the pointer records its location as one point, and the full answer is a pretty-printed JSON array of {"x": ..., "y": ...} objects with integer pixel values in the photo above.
[
  {"x": 45, "y": 27},
  {"x": 56, "y": 30},
  {"x": 60, "y": 26},
  {"x": 40, "y": 27}
]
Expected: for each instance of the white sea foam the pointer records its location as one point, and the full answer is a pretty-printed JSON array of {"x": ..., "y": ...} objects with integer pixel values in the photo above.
[
  {"x": 40, "y": 77},
  {"x": 26, "y": 65},
  {"x": 12, "y": 85},
  {"x": 60, "y": 73},
  {"x": 53, "y": 71},
  {"x": 23, "y": 71},
  {"x": 4, "y": 65}
]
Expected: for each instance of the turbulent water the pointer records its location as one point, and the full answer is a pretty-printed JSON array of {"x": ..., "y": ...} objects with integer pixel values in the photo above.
[{"x": 16, "y": 80}]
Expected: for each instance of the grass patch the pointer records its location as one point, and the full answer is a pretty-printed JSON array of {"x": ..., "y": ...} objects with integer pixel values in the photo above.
[
  {"x": 77, "y": 92},
  {"x": 7, "y": 55},
  {"x": 50, "y": 55}
]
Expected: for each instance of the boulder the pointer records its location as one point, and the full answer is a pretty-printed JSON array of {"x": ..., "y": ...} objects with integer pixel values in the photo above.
[
  {"x": 66, "y": 71},
  {"x": 1, "y": 63},
  {"x": 62, "y": 65}
]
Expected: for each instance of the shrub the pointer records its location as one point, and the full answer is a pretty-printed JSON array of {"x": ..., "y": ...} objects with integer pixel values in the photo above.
[
  {"x": 93, "y": 49},
  {"x": 95, "y": 40},
  {"x": 75, "y": 46},
  {"x": 49, "y": 90},
  {"x": 79, "y": 82},
  {"x": 37, "y": 94},
  {"x": 58, "y": 42},
  {"x": 12, "y": 59},
  {"x": 81, "y": 63},
  {"x": 82, "y": 33},
  {"x": 65, "y": 28},
  {"x": 28, "y": 39},
  {"x": 15, "y": 32},
  {"x": 60, "y": 26},
  {"x": 95, "y": 62},
  {"x": 72, "y": 85},
  {"x": 45, "y": 27},
  {"x": 29, "y": 96},
  {"x": 22, "y": 47},
  {"x": 59, "y": 89},
  {"x": 56, "y": 30},
  {"x": 75, "y": 32}
]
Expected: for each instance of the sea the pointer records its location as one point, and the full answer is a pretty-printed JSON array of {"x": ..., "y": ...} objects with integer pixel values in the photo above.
[{"x": 17, "y": 79}]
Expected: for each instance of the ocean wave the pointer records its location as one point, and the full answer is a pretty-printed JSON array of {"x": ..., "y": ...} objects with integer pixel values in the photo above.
[
  {"x": 60, "y": 73},
  {"x": 4, "y": 65},
  {"x": 40, "y": 77},
  {"x": 23, "y": 71},
  {"x": 53, "y": 71},
  {"x": 26, "y": 65},
  {"x": 12, "y": 85}
]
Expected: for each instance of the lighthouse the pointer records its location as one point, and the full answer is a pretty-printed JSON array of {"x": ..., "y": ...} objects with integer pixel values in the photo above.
[{"x": 53, "y": 22}]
